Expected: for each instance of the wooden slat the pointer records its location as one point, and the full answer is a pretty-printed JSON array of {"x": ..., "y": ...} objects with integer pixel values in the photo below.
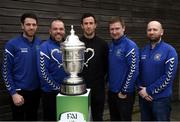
[{"x": 136, "y": 13}]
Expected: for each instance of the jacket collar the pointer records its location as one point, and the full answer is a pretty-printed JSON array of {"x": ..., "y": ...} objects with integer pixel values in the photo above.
[{"x": 120, "y": 40}]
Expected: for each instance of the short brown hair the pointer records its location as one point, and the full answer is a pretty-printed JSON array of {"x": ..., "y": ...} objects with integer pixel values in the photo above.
[{"x": 117, "y": 19}]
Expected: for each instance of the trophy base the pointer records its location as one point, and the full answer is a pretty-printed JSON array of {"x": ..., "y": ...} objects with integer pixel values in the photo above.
[{"x": 73, "y": 89}]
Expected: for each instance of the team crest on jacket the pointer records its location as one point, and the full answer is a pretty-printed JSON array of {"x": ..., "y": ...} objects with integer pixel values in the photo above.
[
  {"x": 118, "y": 53},
  {"x": 157, "y": 57}
]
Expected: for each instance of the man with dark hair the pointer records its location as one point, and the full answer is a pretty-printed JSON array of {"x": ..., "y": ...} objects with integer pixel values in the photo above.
[
  {"x": 50, "y": 69},
  {"x": 20, "y": 70},
  {"x": 94, "y": 74},
  {"x": 30, "y": 15},
  {"x": 123, "y": 71},
  {"x": 158, "y": 65}
]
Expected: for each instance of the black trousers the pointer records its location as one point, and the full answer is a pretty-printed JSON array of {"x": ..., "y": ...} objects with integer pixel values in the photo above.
[
  {"x": 49, "y": 105},
  {"x": 29, "y": 110},
  {"x": 120, "y": 109},
  {"x": 97, "y": 104}
]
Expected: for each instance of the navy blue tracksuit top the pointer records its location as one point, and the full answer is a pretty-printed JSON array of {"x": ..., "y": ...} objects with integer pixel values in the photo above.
[
  {"x": 19, "y": 68},
  {"x": 123, "y": 65},
  {"x": 50, "y": 67},
  {"x": 157, "y": 69}
]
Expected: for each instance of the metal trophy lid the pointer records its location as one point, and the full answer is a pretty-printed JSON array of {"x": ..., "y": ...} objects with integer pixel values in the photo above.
[{"x": 72, "y": 40}]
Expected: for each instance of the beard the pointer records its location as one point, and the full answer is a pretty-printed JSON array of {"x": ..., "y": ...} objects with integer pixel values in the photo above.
[
  {"x": 89, "y": 34},
  {"x": 154, "y": 39},
  {"x": 30, "y": 33},
  {"x": 57, "y": 38}
]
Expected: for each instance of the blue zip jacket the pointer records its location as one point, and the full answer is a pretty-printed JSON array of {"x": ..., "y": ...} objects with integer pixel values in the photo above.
[
  {"x": 123, "y": 65},
  {"x": 49, "y": 66},
  {"x": 19, "y": 68},
  {"x": 157, "y": 69}
]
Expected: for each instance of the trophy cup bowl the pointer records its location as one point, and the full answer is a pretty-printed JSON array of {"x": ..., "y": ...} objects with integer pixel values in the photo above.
[{"x": 73, "y": 50}]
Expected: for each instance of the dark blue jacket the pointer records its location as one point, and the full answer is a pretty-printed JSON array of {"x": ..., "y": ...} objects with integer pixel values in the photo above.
[
  {"x": 123, "y": 65},
  {"x": 19, "y": 68},
  {"x": 157, "y": 69},
  {"x": 49, "y": 66}
]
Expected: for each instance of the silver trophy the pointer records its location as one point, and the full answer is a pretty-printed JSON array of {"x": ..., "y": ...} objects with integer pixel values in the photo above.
[{"x": 73, "y": 50}]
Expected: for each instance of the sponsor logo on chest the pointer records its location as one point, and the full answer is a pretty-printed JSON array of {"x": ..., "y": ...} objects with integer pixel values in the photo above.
[
  {"x": 143, "y": 57},
  {"x": 156, "y": 57},
  {"x": 24, "y": 50}
]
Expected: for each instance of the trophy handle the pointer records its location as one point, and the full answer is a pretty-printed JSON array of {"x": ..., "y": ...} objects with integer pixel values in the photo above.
[
  {"x": 58, "y": 51},
  {"x": 87, "y": 50}
]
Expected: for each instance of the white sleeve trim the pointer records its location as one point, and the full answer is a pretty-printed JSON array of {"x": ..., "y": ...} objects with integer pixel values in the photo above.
[
  {"x": 43, "y": 54},
  {"x": 169, "y": 60},
  {"x": 130, "y": 52},
  {"x": 9, "y": 52}
]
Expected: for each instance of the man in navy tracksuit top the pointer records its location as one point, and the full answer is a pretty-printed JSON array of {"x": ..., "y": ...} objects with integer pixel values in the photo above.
[
  {"x": 51, "y": 71},
  {"x": 158, "y": 65},
  {"x": 19, "y": 70},
  {"x": 123, "y": 71}
]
